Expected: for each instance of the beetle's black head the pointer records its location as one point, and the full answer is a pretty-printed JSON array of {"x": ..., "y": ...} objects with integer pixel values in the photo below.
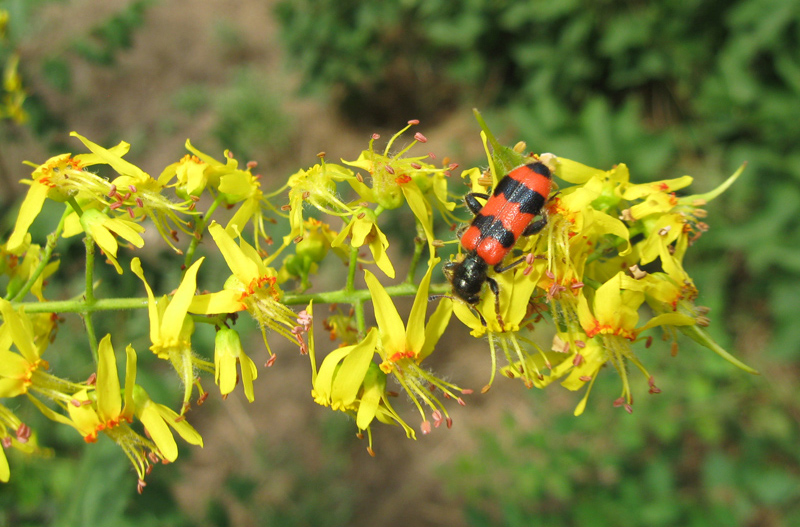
[{"x": 467, "y": 277}]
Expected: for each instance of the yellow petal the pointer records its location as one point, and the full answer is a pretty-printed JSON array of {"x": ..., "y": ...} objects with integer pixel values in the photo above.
[
  {"x": 323, "y": 384},
  {"x": 437, "y": 323},
  {"x": 152, "y": 308},
  {"x": 5, "y": 471},
  {"x": 28, "y": 211},
  {"x": 415, "y": 332},
  {"x": 110, "y": 157},
  {"x": 419, "y": 206},
  {"x": 350, "y": 375},
  {"x": 179, "y": 305},
  {"x": 225, "y": 301},
  {"x": 242, "y": 267},
  {"x": 130, "y": 381},
  {"x": 374, "y": 387},
  {"x": 574, "y": 172},
  {"x": 391, "y": 325},
  {"x": 158, "y": 430},
  {"x": 109, "y": 400}
]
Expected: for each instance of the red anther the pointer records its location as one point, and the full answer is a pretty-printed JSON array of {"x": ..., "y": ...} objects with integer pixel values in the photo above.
[
  {"x": 431, "y": 155},
  {"x": 361, "y": 216},
  {"x": 461, "y": 401},
  {"x": 92, "y": 379},
  {"x": 23, "y": 433},
  {"x": 271, "y": 361},
  {"x": 131, "y": 213},
  {"x": 437, "y": 418},
  {"x": 416, "y": 166},
  {"x": 376, "y": 136},
  {"x": 202, "y": 399},
  {"x": 413, "y": 121},
  {"x": 115, "y": 205},
  {"x": 619, "y": 402},
  {"x": 449, "y": 422},
  {"x": 577, "y": 360},
  {"x": 421, "y": 138},
  {"x": 140, "y": 202},
  {"x": 648, "y": 342},
  {"x": 6, "y": 442},
  {"x": 133, "y": 188},
  {"x": 370, "y": 451},
  {"x": 585, "y": 378},
  {"x": 140, "y": 485},
  {"x": 389, "y": 169},
  {"x": 252, "y": 164},
  {"x": 112, "y": 191},
  {"x": 580, "y": 343},
  {"x": 425, "y": 427},
  {"x": 467, "y": 391}
]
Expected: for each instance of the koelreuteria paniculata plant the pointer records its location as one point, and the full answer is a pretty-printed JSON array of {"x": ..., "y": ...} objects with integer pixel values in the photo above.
[{"x": 606, "y": 270}]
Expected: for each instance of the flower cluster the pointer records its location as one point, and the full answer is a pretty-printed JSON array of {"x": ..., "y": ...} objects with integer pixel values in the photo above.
[{"x": 607, "y": 267}]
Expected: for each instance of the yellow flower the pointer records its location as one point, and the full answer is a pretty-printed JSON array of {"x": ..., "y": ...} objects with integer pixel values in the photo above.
[
  {"x": 317, "y": 187},
  {"x": 171, "y": 328},
  {"x": 193, "y": 173},
  {"x": 227, "y": 353},
  {"x": 397, "y": 179},
  {"x": 22, "y": 371},
  {"x": 100, "y": 227},
  {"x": 613, "y": 318},
  {"x": 349, "y": 381},
  {"x": 403, "y": 348},
  {"x": 60, "y": 178},
  {"x": 109, "y": 410},
  {"x": 363, "y": 230},
  {"x": 140, "y": 194},
  {"x": 251, "y": 287}
]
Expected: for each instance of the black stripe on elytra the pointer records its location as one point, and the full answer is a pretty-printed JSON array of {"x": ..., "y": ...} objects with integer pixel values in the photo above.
[
  {"x": 540, "y": 168},
  {"x": 530, "y": 201},
  {"x": 490, "y": 227}
]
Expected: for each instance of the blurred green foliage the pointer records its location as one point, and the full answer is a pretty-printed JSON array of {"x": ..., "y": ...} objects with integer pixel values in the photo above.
[{"x": 250, "y": 120}]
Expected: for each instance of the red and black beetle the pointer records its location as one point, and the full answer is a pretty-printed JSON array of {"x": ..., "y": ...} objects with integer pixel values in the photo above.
[{"x": 508, "y": 214}]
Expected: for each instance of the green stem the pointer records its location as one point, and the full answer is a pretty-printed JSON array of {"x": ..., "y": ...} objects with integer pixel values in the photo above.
[
  {"x": 199, "y": 228},
  {"x": 89, "y": 299},
  {"x": 89, "y": 284},
  {"x": 80, "y": 305},
  {"x": 52, "y": 240},
  {"x": 419, "y": 246}
]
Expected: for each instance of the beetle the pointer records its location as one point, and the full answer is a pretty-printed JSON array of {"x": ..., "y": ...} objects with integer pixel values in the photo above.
[{"x": 507, "y": 214}]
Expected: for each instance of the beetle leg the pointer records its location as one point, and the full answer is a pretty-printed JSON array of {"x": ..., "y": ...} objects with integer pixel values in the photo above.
[
  {"x": 472, "y": 203},
  {"x": 535, "y": 227}
]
